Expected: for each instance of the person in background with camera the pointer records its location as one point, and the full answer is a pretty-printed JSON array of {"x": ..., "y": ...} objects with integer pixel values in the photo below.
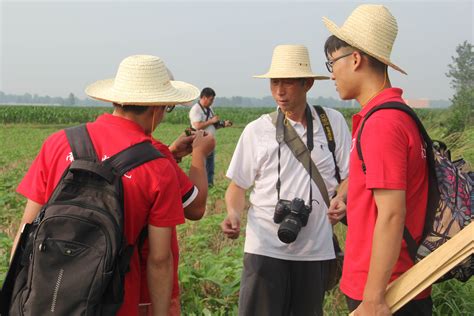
[
  {"x": 288, "y": 242},
  {"x": 202, "y": 117}
]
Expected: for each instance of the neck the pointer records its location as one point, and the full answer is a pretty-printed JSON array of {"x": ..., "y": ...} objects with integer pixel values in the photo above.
[
  {"x": 145, "y": 121},
  {"x": 298, "y": 114},
  {"x": 371, "y": 87}
]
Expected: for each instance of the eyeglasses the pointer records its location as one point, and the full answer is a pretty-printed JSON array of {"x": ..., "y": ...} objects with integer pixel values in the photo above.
[
  {"x": 330, "y": 63},
  {"x": 169, "y": 108}
]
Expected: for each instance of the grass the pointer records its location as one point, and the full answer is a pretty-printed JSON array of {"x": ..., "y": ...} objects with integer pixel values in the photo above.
[{"x": 210, "y": 265}]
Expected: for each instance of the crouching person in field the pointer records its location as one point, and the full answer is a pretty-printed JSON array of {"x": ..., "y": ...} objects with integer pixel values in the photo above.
[
  {"x": 286, "y": 260},
  {"x": 152, "y": 193}
]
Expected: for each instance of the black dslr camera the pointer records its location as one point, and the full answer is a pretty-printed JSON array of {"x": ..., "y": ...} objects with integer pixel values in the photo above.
[
  {"x": 221, "y": 124},
  {"x": 292, "y": 215}
]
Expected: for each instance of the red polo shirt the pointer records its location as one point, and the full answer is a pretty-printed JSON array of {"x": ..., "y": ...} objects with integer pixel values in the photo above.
[
  {"x": 395, "y": 160},
  {"x": 151, "y": 191}
]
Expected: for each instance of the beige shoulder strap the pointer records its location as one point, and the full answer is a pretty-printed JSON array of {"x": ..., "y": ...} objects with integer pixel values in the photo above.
[{"x": 301, "y": 152}]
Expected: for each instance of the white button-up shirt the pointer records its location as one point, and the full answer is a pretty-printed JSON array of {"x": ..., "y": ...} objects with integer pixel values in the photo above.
[
  {"x": 198, "y": 114},
  {"x": 254, "y": 164}
]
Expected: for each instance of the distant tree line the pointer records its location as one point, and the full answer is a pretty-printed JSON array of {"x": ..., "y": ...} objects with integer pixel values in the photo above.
[
  {"x": 236, "y": 101},
  {"x": 461, "y": 72},
  {"x": 28, "y": 98}
]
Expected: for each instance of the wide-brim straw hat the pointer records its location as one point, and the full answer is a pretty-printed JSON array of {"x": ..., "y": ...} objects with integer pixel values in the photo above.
[
  {"x": 143, "y": 80},
  {"x": 291, "y": 61},
  {"x": 370, "y": 28}
]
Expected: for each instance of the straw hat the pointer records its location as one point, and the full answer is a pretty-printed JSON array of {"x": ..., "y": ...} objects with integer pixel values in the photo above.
[
  {"x": 142, "y": 80},
  {"x": 291, "y": 61},
  {"x": 370, "y": 28}
]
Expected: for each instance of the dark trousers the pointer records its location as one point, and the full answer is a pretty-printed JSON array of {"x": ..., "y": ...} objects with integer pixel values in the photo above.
[
  {"x": 277, "y": 287},
  {"x": 210, "y": 168},
  {"x": 423, "y": 307}
]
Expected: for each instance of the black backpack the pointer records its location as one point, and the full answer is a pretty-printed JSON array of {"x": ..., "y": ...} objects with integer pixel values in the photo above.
[
  {"x": 450, "y": 197},
  {"x": 73, "y": 258}
]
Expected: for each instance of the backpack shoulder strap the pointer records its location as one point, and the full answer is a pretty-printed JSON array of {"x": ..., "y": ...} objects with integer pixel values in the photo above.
[
  {"x": 123, "y": 162},
  {"x": 81, "y": 143},
  {"x": 395, "y": 106},
  {"x": 133, "y": 157},
  {"x": 329, "y": 137}
]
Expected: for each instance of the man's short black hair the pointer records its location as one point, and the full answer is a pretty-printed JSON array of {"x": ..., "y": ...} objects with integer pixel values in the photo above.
[
  {"x": 207, "y": 92},
  {"x": 334, "y": 43},
  {"x": 136, "y": 109}
]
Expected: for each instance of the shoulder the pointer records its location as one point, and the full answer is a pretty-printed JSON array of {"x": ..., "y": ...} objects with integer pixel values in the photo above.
[
  {"x": 56, "y": 143},
  {"x": 389, "y": 118},
  {"x": 162, "y": 148},
  {"x": 261, "y": 125}
]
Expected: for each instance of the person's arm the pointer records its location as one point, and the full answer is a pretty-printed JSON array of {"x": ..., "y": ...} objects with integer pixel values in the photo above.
[
  {"x": 202, "y": 147},
  {"x": 235, "y": 204},
  {"x": 160, "y": 269},
  {"x": 204, "y": 124},
  {"x": 386, "y": 245},
  {"x": 337, "y": 206},
  {"x": 31, "y": 211}
]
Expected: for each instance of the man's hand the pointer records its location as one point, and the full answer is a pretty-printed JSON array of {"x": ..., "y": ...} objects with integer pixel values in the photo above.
[
  {"x": 214, "y": 119},
  {"x": 227, "y": 123},
  {"x": 337, "y": 210},
  {"x": 182, "y": 146},
  {"x": 203, "y": 143},
  {"x": 377, "y": 308},
  {"x": 231, "y": 226}
]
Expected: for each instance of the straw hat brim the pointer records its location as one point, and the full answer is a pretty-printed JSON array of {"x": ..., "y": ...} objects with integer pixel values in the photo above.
[
  {"x": 339, "y": 33},
  {"x": 178, "y": 92},
  {"x": 291, "y": 76}
]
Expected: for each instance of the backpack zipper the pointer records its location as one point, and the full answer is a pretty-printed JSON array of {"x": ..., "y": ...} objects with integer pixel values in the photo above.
[{"x": 56, "y": 290}]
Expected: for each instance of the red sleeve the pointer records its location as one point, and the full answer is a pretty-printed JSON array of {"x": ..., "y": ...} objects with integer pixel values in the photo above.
[
  {"x": 185, "y": 184},
  {"x": 167, "y": 209},
  {"x": 384, "y": 146}
]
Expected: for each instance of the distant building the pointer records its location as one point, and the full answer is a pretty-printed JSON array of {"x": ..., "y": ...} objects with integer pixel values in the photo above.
[{"x": 418, "y": 103}]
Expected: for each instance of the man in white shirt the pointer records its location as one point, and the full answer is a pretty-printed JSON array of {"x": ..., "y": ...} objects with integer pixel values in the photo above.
[
  {"x": 202, "y": 117},
  {"x": 281, "y": 278}
]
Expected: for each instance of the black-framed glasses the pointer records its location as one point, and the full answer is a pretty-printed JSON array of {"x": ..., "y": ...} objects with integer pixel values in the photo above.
[
  {"x": 330, "y": 63},
  {"x": 169, "y": 108}
]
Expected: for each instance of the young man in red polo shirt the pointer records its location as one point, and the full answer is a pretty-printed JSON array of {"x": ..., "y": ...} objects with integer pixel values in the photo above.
[
  {"x": 393, "y": 191},
  {"x": 152, "y": 193}
]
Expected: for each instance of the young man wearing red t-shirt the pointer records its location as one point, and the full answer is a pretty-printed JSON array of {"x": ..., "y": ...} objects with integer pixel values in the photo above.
[
  {"x": 152, "y": 194},
  {"x": 393, "y": 191}
]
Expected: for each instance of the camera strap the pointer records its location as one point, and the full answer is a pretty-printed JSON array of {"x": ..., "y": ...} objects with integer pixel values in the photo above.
[
  {"x": 207, "y": 112},
  {"x": 286, "y": 133},
  {"x": 329, "y": 137}
]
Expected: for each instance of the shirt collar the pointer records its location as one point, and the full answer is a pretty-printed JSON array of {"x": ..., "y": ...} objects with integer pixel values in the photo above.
[
  {"x": 386, "y": 95},
  {"x": 313, "y": 114}
]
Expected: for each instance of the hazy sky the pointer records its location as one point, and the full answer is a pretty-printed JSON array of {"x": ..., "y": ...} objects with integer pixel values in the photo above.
[{"x": 57, "y": 47}]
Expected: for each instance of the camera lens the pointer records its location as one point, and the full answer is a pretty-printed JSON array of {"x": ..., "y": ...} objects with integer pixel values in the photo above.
[{"x": 289, "y": 229}]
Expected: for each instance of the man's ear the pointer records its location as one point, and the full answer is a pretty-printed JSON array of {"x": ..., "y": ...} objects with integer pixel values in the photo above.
[
  {"x": 308, "y": 84},
  {"x": 357, "y": 60}
]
